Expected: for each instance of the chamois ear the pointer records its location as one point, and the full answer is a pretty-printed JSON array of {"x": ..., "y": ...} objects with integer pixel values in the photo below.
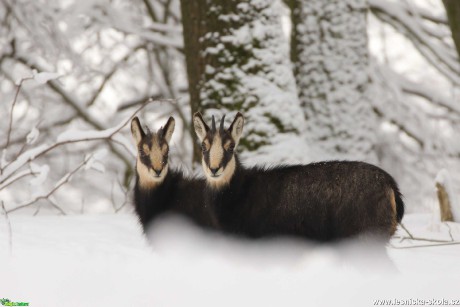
[
  {"x": 136, "y": 130},
  {"x": 200, "y": 126},
  {"x": 236, "y": 128},
  {"x": 168, "y": 129}
]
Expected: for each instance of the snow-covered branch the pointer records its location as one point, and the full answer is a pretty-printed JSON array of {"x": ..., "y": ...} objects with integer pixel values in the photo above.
[
  {"x": 401, "y": 110},
  {"x": 65, "y": 179},
  {"x": 67, "y": 137},
  {"x": 441, "y": 57},
  {"x": 424, "y": 91}
]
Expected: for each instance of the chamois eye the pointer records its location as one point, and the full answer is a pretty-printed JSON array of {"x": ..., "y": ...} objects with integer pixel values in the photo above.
[
  {"x": 231, "y": 148},
  {"x": 203, "y": 147}
]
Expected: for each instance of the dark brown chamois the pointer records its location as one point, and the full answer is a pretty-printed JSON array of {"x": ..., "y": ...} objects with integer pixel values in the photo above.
[
  {"x": 322, "y": 201},
  {"x": 159, "y": 189}
]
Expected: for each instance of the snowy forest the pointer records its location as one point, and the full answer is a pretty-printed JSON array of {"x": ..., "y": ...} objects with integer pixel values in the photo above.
[{"x": 368, "y": 80}]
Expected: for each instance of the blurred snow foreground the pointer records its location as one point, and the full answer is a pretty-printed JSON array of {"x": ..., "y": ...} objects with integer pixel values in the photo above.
[{"x": 105, "y": 260}]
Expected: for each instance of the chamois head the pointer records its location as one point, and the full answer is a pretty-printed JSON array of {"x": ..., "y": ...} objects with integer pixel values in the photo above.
[
  {"x": 218, "y": 147},
  {"x": 152, "y": 152}
]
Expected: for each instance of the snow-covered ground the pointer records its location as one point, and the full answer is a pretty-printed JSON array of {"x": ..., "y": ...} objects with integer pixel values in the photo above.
[{"x": 104, "y": 260}]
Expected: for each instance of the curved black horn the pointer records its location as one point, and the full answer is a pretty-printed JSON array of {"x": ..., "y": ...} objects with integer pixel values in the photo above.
[
  {"x": 222, "y": 123},
  {"x": 213, "y": 124}
]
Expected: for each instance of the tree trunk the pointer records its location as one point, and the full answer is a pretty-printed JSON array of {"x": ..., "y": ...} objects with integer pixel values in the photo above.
[
  {"x": 238, "y": 60},
  {"x": 330, "y": 54},
  {"x": 194, "y": 27},
  {"x": 444, "y": 203},
  {"x": 453, "y": 16}
]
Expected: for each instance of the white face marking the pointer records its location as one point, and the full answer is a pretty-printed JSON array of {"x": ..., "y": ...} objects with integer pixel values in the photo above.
[
  {"x": 216, "y": 154},
  {"x": 156, "y": 158},
  {"x": 224, "y": 176},
  {"x": 147, "y": 177}
]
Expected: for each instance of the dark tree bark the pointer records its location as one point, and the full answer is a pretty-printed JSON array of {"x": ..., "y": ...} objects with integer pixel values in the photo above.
[
  {"x": 453, "y": 16},
  {"x": 194, "y": 27}
]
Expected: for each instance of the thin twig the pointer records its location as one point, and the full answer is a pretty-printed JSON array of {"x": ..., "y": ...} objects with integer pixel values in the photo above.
[
  {"x": 450, "y": 231},
  {"x": 74, "y": 104},
  {"x": 112, "y": 198},
  {"x": 411, "y": 237},
  {"x": 38, "y": 210},
  {"x": 407, "y": 231},
  {"x": 55, "y": 205},
  {"x": 10, "y": 233},
  {"x": 111, "y": 73},
  {"x": 425, "y": 245},
  {"x": 65, "y": 179},
  {"x": 10, "y": 124},
  {"x": 16, "y": 178},
  {"x": 125, "y": 192},
  {"x": 46, "y": 149}
]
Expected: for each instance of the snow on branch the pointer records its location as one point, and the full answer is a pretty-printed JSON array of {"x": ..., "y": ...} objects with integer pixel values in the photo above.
[
  {"x": 9, "y": 171},
  {"x": 65, "y": 179},
  {"x": 420, "y": 11},
  {"x": 423, "y": 91},
  {"x": 394, "y": 106},
  {"x": 441, "y": 57},
  {"x": 72, "y": 102}
]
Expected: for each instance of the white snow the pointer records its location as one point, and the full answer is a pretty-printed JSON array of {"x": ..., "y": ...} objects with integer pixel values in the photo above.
[
  {"x": 43, "y": 77},
  {"x": 32, "y": 137},
  {"x": 104, "y": 260},
  {"x": 40, "y": 172}
]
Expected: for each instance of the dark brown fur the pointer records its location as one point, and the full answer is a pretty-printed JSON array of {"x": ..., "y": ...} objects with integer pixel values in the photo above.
[
  {"x": 172, "y": 193},
  {"x": 322, "y": 201}
]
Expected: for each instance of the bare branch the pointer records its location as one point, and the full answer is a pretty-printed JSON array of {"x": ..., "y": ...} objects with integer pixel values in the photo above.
[
  {"x": 109, "y": 75},
  {"x": 404, "y": 22},
  {"x": 75, "y": 105},
  {"x": 406, "y": 230},
  {"x": 16, "y": 177},
  {"x": 63, "y": 139},
  {"x": 10, "y": 125},
  {"x": 424, "y": 245},
  {"x": 55, "y": 205},
  {"x": 411, "y": 237},
  {"x": 65, "y": 179},
  {"x": 450, "y": 231},
  {"x": 422, "y": 91},
  {"x": 10, "y": 233}
]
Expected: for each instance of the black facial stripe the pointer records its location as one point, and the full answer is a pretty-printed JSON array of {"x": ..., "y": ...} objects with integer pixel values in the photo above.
[
  {"x": 149, "y": 141},
  {"x": 227, "y": 154},
  {"x": 145, "y": 159},
  {"x": 206, "y": 157}
]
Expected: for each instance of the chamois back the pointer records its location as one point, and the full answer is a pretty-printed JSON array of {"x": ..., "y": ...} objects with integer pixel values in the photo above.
[{"x": 321, "y": 201}]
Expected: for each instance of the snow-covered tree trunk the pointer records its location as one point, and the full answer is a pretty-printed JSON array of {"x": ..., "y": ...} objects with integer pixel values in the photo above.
[
  {"x": 330, "y": 53},
  {"x": 238, "y": 60}
]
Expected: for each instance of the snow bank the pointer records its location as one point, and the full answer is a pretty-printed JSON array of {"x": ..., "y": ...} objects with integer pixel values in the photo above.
[{"x": 105, "y": 261}]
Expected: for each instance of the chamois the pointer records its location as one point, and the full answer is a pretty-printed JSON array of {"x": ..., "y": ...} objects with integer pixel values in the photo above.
[
  {"x": 323, "y": 201},
  {"x": 158, "y": 189}
]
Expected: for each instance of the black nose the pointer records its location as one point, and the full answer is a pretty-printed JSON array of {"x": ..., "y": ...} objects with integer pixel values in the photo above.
[
  {"x": 158, "y": 172},
  {"x": 214, "y": 170}
]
